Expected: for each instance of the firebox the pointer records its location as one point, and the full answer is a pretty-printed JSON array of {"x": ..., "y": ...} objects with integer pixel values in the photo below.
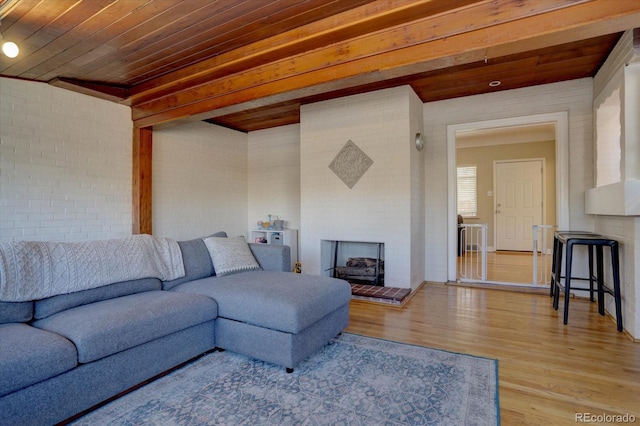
[{"x": 358, "y": 262}]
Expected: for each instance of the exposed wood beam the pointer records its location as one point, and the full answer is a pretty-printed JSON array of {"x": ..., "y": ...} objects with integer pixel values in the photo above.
[
  {"x": 109, "y": 92},
  {"x": 142, "y": 156},
  {"x": 484, "y": 29},
  {"x": 353, "y": 23}
]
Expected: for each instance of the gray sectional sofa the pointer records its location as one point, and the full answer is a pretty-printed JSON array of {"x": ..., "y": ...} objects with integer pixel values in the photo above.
[{"x": 64, "y": 354}]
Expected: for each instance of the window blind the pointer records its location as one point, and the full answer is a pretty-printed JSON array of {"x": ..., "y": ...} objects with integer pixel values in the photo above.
[{"x": 467, "y": 198}]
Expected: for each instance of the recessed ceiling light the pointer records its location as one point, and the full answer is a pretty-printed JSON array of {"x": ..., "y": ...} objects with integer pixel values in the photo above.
[
  {"x": 10, "y": 49},
  {"x": 495, "y": 83}
]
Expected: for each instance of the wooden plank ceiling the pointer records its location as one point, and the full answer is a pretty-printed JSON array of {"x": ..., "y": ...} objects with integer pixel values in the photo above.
[{"x": 250, "y": 64}]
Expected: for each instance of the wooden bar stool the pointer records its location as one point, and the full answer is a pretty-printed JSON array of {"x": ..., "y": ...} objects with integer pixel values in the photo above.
[{"x": 566, "y": 241}]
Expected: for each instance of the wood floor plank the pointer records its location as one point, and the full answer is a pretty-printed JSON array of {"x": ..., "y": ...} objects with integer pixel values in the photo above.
[{"x": 548, "y": 372}]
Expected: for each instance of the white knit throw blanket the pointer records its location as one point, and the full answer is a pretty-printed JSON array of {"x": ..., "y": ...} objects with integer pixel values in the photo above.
[{"x": 32, "y": 270}]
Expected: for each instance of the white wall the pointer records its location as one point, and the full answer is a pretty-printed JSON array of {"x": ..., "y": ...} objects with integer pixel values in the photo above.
[
  {"x": 378, "y": 208},
  {"x": 573, "y": 96},
  {"x": 625, "y": 229},
  {"x": 65, "y": 164},
  {"x": 65, "y": 172},
  {"x": 199, "y": 181},
  {"x": 417, "y": 184},
  {"x": 274, "y": 175}
]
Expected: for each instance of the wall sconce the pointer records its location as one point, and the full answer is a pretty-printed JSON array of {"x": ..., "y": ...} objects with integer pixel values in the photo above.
[{"x": 419, "y": 141}]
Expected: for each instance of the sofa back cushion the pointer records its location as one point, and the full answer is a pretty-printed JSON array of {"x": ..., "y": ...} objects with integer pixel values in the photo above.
[
  {"x": 15, "y": 312},
  {"x": 196, "y": 260},
  {"x": 52, "y": 305}
]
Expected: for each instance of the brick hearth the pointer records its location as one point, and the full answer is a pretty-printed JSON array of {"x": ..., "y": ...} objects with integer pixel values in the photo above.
[{"x": 393, "y": 295}]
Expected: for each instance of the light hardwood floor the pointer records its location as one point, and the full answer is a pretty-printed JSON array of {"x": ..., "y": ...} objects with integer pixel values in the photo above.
[
  {"x": 509, "y": 267},
  {"x": 548, "y": 372}
]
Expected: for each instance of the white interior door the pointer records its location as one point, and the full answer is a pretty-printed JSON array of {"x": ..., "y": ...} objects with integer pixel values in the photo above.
[{"x": 519, "y": 203}]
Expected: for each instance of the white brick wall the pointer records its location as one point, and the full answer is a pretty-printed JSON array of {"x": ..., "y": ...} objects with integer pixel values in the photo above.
[
  {"x": 610, "y": 70},
  {"x": 624, "y": 229},
  {"x": 65, "y": 164},
  {"x": 627, "y": 231},
  {"x": 417, "y": 193},
  {"x": 199, "y": 181},
  {"x": 65, "y": 173},
  {"x": 573, "y": 96},
  {"x": 274, "y": 175},
  {"x": 378, "y": 207}
]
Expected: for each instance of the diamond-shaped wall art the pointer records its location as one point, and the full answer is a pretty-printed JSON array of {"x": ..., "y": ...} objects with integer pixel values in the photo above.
[{"x": 350, "y": 164}]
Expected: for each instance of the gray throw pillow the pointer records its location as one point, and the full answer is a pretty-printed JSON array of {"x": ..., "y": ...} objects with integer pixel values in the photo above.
[
  {"x": 231, "y": 255},
  {"x": 196, "y": 259}
]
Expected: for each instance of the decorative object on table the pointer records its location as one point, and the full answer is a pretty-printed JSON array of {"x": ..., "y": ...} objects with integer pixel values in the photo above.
[
  {"x": 273, "y": 222},
  {"x": 351, "y": 380},
  {"x": 298, "y": 268},
  {"x": 350, "y": 164}
]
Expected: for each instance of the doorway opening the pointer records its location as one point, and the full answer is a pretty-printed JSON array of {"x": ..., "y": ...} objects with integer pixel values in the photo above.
[{"x": 522, "y": 193}]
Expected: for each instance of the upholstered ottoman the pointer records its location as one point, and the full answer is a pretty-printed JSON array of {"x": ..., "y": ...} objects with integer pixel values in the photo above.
[{"x": 278, "y": 317}]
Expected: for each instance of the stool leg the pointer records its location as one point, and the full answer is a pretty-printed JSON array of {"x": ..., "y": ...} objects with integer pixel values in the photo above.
[
  {"x": 558, "y": 271},
  {"x": 552, "y": 286},
  {"x": 591, "y": 289},
  {"x": 567, "y": 281},
  {"x": 600, "y": 279},
  {"x": 615, "y": 266}
]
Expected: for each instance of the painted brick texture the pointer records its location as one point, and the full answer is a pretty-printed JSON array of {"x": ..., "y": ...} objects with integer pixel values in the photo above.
[
  {"x": 378, "y": 207},
  {"x": 65, "y": 173},
  {"x": 573, "y": 96},
  {"x": 199, "y": 181},
  {"x": 274, "y": 175},
  {"x": 65, "y": 164}
]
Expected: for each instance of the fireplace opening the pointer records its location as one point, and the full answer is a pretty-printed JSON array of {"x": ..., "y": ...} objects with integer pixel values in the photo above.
[{"x": 357, "y": 262}]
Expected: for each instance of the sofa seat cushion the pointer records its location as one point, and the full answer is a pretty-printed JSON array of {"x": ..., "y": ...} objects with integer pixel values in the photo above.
[
  {"x": 281, "y": 301},
  {"x": 103, "y": 328},
  {"x": 29, "y": 355}
]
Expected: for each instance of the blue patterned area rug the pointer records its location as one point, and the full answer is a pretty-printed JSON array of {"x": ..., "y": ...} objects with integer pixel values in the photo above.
[{"x": 353, "y": 380}]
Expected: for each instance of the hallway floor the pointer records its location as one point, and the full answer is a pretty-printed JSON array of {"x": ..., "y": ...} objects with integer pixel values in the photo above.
[{"x": 506, "y": 267}]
